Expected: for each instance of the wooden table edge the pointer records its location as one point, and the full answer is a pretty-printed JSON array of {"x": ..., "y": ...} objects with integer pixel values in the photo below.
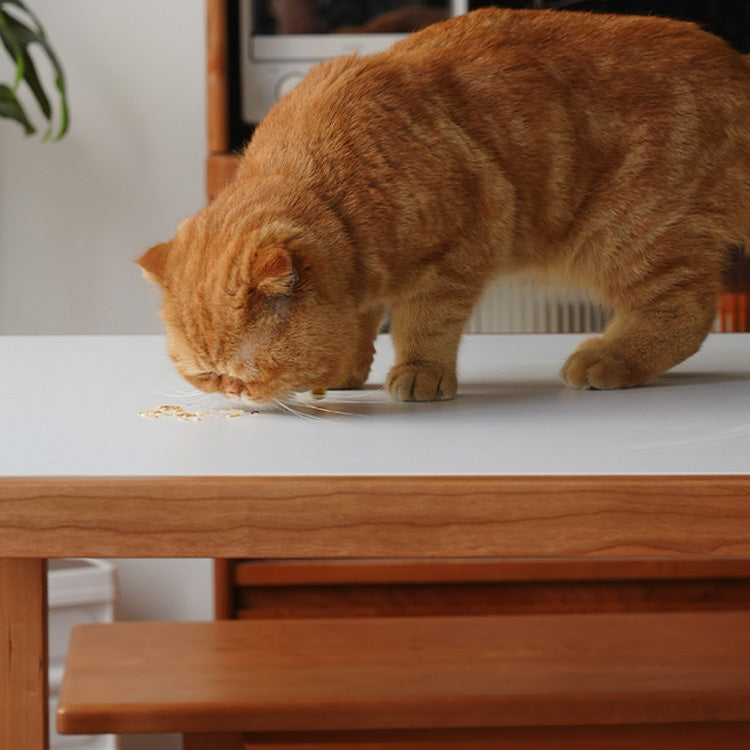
[{"x": 608, "y": 516}]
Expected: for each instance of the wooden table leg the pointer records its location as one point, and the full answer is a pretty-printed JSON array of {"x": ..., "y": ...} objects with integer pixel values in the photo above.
[{"x": 23, "y": 654}]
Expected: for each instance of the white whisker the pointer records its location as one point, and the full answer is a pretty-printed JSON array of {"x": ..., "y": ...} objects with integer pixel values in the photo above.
[
  {"x": 358, "y": 395},
  {"x": 296, "y": 412},
  {"x": 198, "y": 398},
  {"x": 328, "y": 410},
  {"x": 201, "y": 397},
  {"x": 170, "y": 389}
]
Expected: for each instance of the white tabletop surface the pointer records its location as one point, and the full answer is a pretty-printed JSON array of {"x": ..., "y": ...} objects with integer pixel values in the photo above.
[{"x": 70, "y": 406}]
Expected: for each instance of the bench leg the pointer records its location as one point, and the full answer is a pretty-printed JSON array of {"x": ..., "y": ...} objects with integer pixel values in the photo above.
[
  {"x": 211, "y": 741},
  {"x": 23, "y": 654}
]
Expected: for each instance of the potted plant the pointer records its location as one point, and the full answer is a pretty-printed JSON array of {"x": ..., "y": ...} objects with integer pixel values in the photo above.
[{"x": 19, "y": 30}]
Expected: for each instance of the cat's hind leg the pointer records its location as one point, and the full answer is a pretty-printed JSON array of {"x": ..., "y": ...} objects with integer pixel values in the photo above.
[{"x": 659, "y": 321}]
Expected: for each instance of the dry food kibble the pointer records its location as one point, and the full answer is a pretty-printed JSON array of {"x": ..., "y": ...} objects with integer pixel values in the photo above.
[{"x": 173, "y": 411}]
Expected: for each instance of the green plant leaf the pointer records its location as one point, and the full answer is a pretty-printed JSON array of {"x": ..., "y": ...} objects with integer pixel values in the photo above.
[
  {"x": 13, "y": 47},
  {"x": 25, "y": 37},
  {"x": 64, "y": 114},
  {"x": 17, "y": 36},
  {"x": 10, "y": 107}
]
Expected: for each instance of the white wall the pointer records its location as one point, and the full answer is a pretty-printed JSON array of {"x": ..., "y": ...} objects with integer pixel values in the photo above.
[{"x": 74, "y": 214}]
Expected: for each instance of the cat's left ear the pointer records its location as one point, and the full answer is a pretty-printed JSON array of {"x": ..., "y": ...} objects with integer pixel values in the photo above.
[
  {"x": 154, "y": 261},
  {"x": 273, "y": 274}
]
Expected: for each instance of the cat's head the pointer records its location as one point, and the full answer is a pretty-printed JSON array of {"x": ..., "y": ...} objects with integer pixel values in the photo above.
[{"x": 248, "y": 314}]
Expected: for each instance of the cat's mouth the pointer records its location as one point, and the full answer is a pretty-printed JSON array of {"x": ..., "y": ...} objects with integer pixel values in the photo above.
[
  {"x": 260, "y": 392},
  {"x": 247, "y": 395},
  {"x": 246, "y": 400}
]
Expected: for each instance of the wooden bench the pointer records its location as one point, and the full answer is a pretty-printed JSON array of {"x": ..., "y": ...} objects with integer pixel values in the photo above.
[{"x": 547, "y": 682}]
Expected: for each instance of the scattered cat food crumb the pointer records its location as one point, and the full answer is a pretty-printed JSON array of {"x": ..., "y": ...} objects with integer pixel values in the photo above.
[
  {"x": 172, "y": 411},
  {"x": 231, "y": 413},
  {"x": 319, "y": 393}
]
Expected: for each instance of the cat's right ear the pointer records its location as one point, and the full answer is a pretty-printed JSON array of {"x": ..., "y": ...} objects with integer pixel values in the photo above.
[
  {"x": 153, "y": 262},
  {"x": 273, "y": 273}
]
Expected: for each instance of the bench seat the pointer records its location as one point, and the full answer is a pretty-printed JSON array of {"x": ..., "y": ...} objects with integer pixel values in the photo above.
[{"x": 411, "y": 674}]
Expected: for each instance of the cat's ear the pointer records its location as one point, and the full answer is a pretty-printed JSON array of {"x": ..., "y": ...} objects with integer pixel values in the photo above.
[
  {"x": 272, "y": 273},
  {"x": 153, "y": 262}
]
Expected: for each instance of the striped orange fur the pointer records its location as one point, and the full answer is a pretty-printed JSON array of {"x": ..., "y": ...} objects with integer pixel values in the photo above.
[{"x": 599, "y": 151}]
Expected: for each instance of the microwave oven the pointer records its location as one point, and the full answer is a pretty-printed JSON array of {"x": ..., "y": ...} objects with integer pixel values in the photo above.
[{"x": 280, "y": 40}]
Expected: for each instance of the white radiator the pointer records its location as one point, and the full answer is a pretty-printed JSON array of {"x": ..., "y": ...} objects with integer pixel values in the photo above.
[{"x": 524, "y": 307}]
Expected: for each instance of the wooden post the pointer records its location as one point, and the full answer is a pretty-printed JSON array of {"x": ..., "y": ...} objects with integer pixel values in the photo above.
[
  {"x": 220, "y": 163},
  {"x": 23, "y": 654},
  {"x": 224, "y": 587},
  {"x": 216, "y": 76}
]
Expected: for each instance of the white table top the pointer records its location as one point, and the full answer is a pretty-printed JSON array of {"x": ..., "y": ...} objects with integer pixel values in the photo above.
[{"x": 70, "y": 407}]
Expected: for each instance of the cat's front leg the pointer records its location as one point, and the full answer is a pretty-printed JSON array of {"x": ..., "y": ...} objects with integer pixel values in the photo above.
[
  {"x": 368, "y": 327},
  {"x": 422, "y": 381},
  {"x": 426, "y": 332}
]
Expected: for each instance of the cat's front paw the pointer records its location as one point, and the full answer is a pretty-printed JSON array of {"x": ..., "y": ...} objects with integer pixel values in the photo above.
[
  {"x": 414, "y": 383},
  {"x": 600, "y": 365}
]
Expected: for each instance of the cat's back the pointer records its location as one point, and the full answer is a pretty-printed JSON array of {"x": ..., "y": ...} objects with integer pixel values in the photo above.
[
  {"x": 604, "y": 64},
  {"x": 505, "y": 58},
  {"x": 565, "y": 36},
  {"x": 555, "y": 99}
]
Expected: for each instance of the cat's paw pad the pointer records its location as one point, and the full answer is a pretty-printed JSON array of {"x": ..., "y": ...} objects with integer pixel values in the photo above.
[
  {"x": 597, "y": 364},
  {"x": 412, "y": 383}
]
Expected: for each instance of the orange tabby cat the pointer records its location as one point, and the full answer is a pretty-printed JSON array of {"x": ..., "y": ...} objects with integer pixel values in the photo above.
[{"x": 603, "y": 151}]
